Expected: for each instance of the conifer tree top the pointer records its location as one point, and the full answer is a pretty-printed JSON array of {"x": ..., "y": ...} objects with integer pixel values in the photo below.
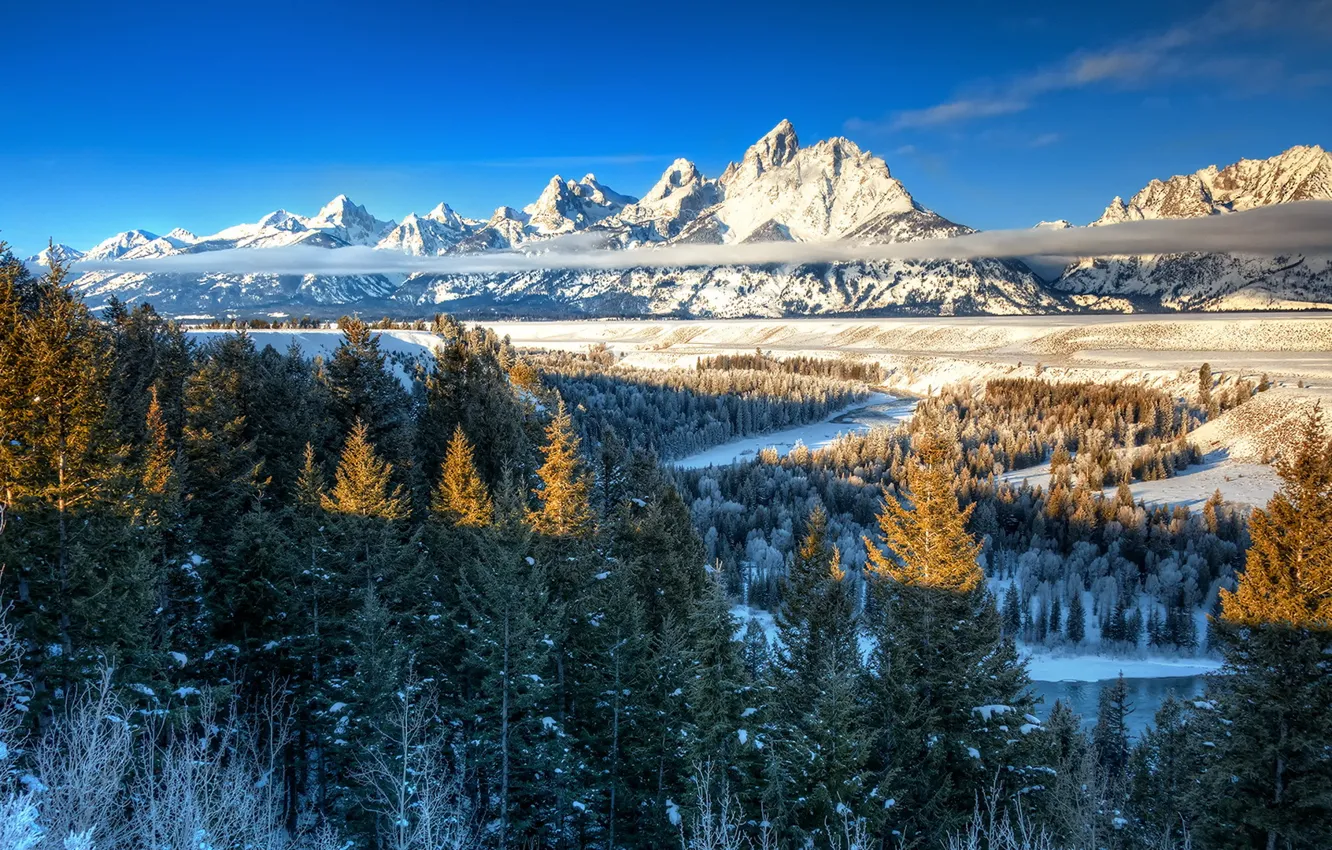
[
  {"x": 929, "y": 544},
  {"x": 1287, "y": 578}
]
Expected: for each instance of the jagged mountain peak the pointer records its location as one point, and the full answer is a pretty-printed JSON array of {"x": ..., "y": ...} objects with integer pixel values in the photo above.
[
  {"x": 423, "y": 236},
  {"x": 568, "y": 205},
  {"x": 64, "y": 252},
  {"x": 826, "y": 191},
  {"x": 776, "y": 148},
  {"x": 283, "y": 220},
  {"x": 444, "y": 214},
  {"x": 1300, "y": 173},
  {"x": 350, "y": 222},
  {"x": 673, "y": 202},
  {"x": 119, "y": 245}
]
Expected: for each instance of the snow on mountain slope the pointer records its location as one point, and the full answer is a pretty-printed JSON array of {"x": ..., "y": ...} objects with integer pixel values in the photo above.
[
  {"x": 1216, "y": 281},
  {"x": 64, "y": 252},
  {"x": 119, "y": 245},
  {"x": 817, "y": 193},
  {"x": 777, "y": 191},
  {"x": 567, "y": 205},
  {"x": 426, "y": 237},
  {"x": 350, "y": 222},
  {"x": 674, "y": 201}
]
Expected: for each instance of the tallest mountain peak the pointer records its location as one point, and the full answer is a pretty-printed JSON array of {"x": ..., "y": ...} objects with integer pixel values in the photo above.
[{"x": 777, "y": 147}]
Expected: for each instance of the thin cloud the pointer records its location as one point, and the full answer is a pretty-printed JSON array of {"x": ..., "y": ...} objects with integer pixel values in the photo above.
[
  {"x": 1282, "y": 229},
  {"x": 1149, "y": 58}
]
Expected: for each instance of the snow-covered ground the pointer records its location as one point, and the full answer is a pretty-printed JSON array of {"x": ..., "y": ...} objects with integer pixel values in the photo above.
[
  {"x": 321, "y": 342},
  {"x": 1251, "y": 484},
  {"x": 878, "y": 409}
]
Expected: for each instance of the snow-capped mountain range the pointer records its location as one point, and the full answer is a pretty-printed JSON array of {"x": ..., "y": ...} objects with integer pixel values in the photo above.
[
  {"x": 778, "y": 191},
  {"x": 1216, "y": 281}
]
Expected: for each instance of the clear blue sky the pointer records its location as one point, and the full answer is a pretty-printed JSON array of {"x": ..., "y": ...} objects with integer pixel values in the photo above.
[{"x": 159, "y": 115}]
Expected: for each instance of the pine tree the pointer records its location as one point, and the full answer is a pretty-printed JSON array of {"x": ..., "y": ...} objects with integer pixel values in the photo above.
[
  {"x": 716, "y": 687},
  {"x": 1287, "y": 579},
  {"x": 462, "y": 496},
  {"x": 565, "y": 491},
  {"x": 818, "y": 761},
  {"x": 364, "y": 392},
  {"x": 1205, "y": 386},
  {"x": 930, "y": 544},
  {"x": 80, "y": 584},
  {"x": 1164, "y": 769},
  {"x": 1276, "y": 631}
]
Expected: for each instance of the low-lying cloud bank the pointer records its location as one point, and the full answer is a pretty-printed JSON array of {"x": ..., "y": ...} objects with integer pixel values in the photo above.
[{"x": 1282, "y": 229}]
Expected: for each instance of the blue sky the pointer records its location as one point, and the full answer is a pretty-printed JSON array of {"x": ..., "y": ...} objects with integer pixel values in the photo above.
[{"x": 995, "y": 115}]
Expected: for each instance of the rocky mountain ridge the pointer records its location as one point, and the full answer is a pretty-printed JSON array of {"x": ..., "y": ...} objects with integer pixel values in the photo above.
[{"x": 777, "y": 191}]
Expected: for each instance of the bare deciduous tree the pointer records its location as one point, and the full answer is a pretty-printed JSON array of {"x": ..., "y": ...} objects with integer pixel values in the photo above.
[
  {"x": 415, "y": 778},
  {"x": 82, "y": 762}
]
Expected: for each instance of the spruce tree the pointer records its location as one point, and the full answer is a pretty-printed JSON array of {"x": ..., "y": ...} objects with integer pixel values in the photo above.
[
  {"x": 512, "y": 625},
  {"x": 818, "y": 760},
  {"x": 363, "y": 487},
  {"x": 461, "y": 496},
  {"x": 81, "y": 586},
  {"x": 1272, "y": 779},
  {"x": 944, "y": 680},
  {"x": 1077, "y": 618},
  {"x": 1110, "y": 736},
  {"x": 363, "y": 391},
  {"x": 716, "y": 688},
  {"x": 1012, "y": 611},
  {"x": 564, "y": 495}
]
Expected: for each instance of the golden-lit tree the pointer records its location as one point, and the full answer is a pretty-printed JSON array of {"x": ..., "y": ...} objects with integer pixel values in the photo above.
[
  {"x": 462, "y": 497},
  {"x": 1271, "y": 774},
  {"x": 565, "y": 493},
  {"x": 363, "y": 485},
  {"x": 1287, "y": 578},
  {"x": 928, "y": 543}
]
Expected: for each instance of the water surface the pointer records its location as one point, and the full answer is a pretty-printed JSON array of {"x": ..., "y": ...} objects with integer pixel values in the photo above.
[{"x": 1145, "y": 696}]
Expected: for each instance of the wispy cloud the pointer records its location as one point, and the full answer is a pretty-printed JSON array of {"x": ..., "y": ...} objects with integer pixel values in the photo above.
[
  {"x": 1304, "y": 227},
  {"x": 1149, "y": 58},
  {"x": 1044, "y": 140}
]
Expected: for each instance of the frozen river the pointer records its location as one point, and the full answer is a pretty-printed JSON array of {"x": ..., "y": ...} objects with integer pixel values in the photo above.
[{"x": 878, "y": 409}]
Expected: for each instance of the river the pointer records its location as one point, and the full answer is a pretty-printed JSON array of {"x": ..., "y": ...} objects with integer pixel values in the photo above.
[
  {"x": 1145, "y": 696},
  {"x": 876, "y": 410}
]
